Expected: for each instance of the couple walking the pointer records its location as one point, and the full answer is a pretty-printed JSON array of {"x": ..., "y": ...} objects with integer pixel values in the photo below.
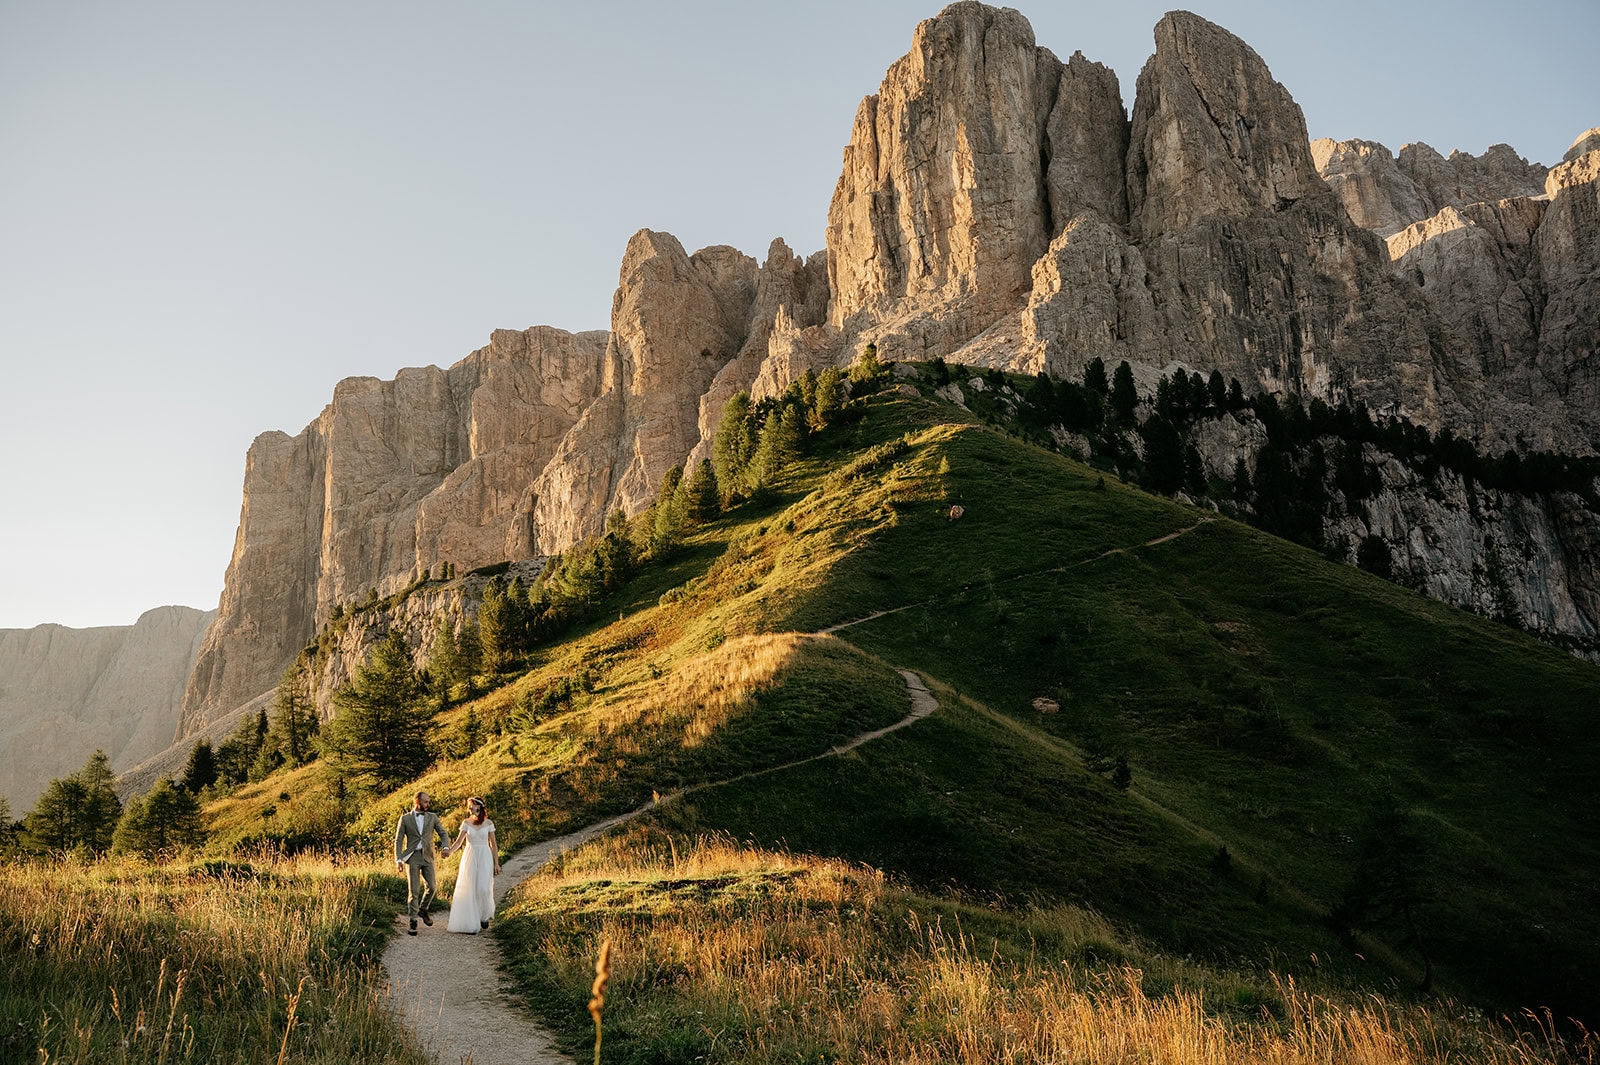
[{"x": 472, "y": 901}]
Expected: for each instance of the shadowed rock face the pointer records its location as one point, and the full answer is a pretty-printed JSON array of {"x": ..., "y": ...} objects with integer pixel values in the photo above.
[{"x": 67, "y": 692}]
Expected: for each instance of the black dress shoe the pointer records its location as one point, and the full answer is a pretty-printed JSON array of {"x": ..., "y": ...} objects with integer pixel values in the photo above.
[
  {"x": 427, "y": 920},
  {"x": 413, "y": 927},
  {"x": 483, "y": 924}
]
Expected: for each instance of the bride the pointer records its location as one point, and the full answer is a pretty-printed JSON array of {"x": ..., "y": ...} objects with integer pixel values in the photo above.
[{"x": 472, "y": 901}]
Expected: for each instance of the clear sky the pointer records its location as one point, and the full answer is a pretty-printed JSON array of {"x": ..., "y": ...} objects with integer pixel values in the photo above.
[{"x": 212, "y": 211}]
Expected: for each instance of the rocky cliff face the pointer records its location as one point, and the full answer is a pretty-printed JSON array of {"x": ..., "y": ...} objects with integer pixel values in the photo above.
[
  {"x": 67, "y": 692},
  {"x": 434, "y": 466},
  {"x": 1386, "y": 193},
  {"x": 1501, "y": 254},
  {"x": 995, "y": 206}
]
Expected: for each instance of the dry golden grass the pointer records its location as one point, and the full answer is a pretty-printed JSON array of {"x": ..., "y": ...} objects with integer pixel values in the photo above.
[
  {"x": 768, "y": 957},
  {"x": 119, "y": 961},
  {"x": 703, "y": 692}
]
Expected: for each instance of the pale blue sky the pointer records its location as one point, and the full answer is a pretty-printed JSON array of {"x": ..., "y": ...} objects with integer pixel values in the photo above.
[{"x": 212, "y": 211}]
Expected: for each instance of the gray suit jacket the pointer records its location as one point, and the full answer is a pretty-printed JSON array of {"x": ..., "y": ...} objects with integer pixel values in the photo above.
[{"x": 413, "y": 846}]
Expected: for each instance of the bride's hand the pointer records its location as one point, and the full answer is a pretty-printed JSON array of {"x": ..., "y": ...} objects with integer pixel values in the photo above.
[{"x": 496, "y": 868}]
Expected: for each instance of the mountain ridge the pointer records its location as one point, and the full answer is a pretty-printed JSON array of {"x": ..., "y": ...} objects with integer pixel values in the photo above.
[{"x": 1199, "y": 233}]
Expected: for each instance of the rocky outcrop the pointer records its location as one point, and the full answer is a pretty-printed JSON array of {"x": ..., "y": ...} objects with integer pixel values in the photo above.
[
  {"x": 676, "y": 320},
  {"x": 345, "y": 645},
  {"x": 1386, "y": 193},
  {"x": 434, "y": 466},
  {"x": 1535, "y": 557},
  {"x": 68, "y": 691},
  {"x": 994, "y": 206},
  {"x": 942, "y": 206},
  {"x": 1512, "y": 287},
  {"x": 1213, "y": 133},
  {"x": 1567, "y": 246}
]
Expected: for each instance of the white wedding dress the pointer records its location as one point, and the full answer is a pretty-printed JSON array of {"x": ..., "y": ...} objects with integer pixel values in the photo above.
[{"x": 472, "y": 901}]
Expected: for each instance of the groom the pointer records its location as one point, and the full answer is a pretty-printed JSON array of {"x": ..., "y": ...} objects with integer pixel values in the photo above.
[{"x": 413, "y": 849}]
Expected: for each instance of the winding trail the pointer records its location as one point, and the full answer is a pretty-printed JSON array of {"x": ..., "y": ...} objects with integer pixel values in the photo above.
[
  {"x": 1024, "y": 576},
  {"x": 447, "y": 988}
]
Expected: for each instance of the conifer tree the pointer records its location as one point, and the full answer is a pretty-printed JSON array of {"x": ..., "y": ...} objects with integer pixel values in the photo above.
[
  {"x": 1241, "y": 482},
  {"x": 1217, "y": 390},
  {"x": 382, "y": 731},
  {"x": 78, "y": 811},
  {"x": 494, "y": 626},
  {"x": 867, "y": 371},
  {"x": 735, "y": 442},
  {"x": 669, "y": 513},
  {"x": 470, "y": 648},
  {"x": 1094, "y": 376},
  {"x": 830, "y": 399},
  {"x": 808, "y": 389},
  {"x": 704, "y": 501},
  {"x": 1124, "y": 398},
  {"x": 444, "y": 661},
  {"x": 201, "y": 770},
  {"x": 294, "y": 719},
  {"x": 8, "y": 827},
  {"x": 1194, "y": 472},
  {"x": 166, "y": 819}
]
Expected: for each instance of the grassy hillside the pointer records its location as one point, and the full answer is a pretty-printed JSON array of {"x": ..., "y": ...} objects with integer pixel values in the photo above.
[{"x": 1331, "y": 778}]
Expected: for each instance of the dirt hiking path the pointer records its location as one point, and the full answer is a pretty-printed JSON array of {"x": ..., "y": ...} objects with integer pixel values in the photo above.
[
  {"x": 1024, "y": 576},
  {"x": 447, "y": 988}
]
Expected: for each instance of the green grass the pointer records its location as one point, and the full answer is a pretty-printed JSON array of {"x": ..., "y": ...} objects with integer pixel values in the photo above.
[{"x": 1266, "y": 699}]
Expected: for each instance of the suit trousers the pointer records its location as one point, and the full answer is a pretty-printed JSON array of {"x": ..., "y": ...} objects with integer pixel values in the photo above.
[{"x": 420, "y": 873}]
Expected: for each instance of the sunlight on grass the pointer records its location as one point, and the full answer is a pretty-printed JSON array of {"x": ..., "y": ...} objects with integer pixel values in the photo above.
[
  {"x": 760, "y": 956},
  {"x": 215, "y": 962}
]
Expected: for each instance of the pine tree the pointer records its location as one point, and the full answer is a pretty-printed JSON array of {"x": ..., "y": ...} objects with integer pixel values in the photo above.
[
  {"x": 444, "y": 661},
  {"x": 494, "y": 626},
  {"x": 201, "y": 771},
  {"x": 669, "y": 513},
  {"x": 1235, "y": 394},
  {"x": 1094, "y": 376},
  {"x": 517, "y": 615},
  {"x": 1121, "y": 774},
  {"x": 1241, "y": 482},
  {"x": 1124, "y": 398},
  {"x": 381, "y": 733},
  {"x": 867, "y": 372},
  {"x": 614, "y": 555},
  {"x": 808, "y": 389},
  {"x": 734, "y": 445},
  {"x": 8, "y": 827},
  {"x": 1217, "y": 390},
  {"x": 704, "y": 502},
  {"x": 830, "y": 398},
  {"x": 471, "y": 649},
  {"x": 78, "y": 811},
  {"x": 165, "y": 820},
  {"x": 294, "y": 719},
  {"x": 1163, "y": 455}
]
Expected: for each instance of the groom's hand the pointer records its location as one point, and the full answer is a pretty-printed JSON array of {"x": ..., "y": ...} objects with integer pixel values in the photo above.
[{"x": 399, "y": 867}]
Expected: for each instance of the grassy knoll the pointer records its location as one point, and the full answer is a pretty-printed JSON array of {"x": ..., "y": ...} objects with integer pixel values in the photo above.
[
  {"x": 126, "y": 962},
  {"x": 744, "y": 955},
  {"x": 1331, "y": 777}
]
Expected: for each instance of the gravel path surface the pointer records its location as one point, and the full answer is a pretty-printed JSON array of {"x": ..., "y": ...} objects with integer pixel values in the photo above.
[{"x": 447, "y": 988}]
